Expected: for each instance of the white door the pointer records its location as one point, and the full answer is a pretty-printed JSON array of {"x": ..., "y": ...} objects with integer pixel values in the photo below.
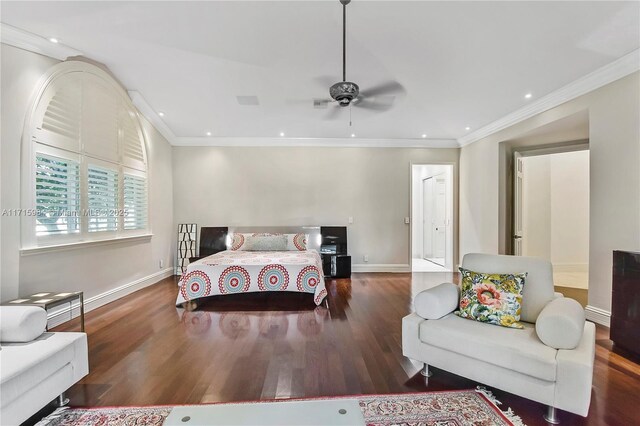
[
  {"x": 440, "y": 218},
  {"x": 518, "y": 169},
  {"x": 427, "y": 218}
]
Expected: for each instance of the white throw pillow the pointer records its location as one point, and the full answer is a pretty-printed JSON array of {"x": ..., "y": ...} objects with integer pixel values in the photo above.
[
  {"x": 561, "y": 323},
  {"x": 21, "y": 324},
  {"x": 437, "y": 302}
]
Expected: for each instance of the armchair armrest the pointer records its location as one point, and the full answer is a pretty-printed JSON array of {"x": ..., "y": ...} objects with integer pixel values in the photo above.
[
  {"x": 437, "y": 302},
  {"x": 561, "y": 323},
  {"x": 575, "y": 373},
  {"x": 21, "y": 324}
]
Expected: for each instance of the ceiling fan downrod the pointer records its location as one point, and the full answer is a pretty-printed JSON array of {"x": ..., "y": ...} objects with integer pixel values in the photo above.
[
  {"x": 345, "y": 91},
  {"x": 344, "y": 38}
]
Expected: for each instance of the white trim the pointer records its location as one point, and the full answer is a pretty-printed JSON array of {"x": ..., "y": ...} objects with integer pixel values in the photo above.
[
  {"x": 381, "y": 267},
  {"x": 150, "y": 114},
  {"x": 34, "y": 43},
  {"x": 597, "y": 315},
  {"x": 54, "y": 319},
  {"x": 83, "y": 244},
  {"x": 147, "y": 110},
  {"x": 316, "y": 142},
  {"x": 602, "y": 76}
]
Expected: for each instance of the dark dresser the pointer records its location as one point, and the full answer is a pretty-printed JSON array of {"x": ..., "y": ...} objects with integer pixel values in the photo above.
[{"x": 625, "y": 301}]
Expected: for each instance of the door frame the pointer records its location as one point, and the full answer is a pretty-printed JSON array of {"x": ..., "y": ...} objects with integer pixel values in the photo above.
[
  {"x": 529, "y": 151},
  {"x": 454, "y": 210},
  {"x": 424, "y": 182}
]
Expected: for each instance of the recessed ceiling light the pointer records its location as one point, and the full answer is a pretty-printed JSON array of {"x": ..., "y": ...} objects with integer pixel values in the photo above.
[
  {"x": 161, "y": 114},
  {"x": 424, "y": 135},
  {"x": 208, "y": 133},
  {"x": 53, "y": 40},
  {"x": 281, "y": 133},
  {"x": 353, "y": 135},
  {"x": 528, "y": 96},
  {"x": 467, "y": 128}
]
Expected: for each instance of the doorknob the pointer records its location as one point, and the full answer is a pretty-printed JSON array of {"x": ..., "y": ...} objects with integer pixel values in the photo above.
[{"x": 517, "y": 237}]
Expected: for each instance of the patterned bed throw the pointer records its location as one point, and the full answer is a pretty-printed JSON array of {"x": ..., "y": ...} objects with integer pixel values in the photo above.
[{"x": 230, "y": 272}]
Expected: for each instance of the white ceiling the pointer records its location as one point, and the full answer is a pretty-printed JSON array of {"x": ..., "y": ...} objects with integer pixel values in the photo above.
[{"x": 463, "y": 64}]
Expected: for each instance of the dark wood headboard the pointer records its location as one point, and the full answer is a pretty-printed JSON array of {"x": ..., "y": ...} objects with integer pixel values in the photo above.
[{"x": 213, "y": 239}]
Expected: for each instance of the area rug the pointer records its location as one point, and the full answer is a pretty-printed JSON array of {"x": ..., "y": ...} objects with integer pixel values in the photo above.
[{"x": 447, "y": 408}]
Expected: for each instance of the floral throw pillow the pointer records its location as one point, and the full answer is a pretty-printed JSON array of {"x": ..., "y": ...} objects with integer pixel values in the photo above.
[{"x": 491, "y": 298}]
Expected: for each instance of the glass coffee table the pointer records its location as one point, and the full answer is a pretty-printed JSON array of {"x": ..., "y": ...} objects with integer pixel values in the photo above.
[
  {"x": 320, "y": 412},
  {"x": 48, "y": 300}
]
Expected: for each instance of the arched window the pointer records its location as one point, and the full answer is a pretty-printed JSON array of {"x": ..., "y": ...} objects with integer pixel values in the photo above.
[{"x": 84, "y": 160}]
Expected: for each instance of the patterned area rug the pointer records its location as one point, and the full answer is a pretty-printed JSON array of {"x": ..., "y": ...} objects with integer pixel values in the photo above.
[{"x": 449, "y": 408}]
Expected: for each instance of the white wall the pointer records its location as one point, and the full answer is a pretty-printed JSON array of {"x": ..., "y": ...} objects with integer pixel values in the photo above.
[
  {"x": 556, "y": 209},
  {"x": 95, "y": 270},
  {"x": 569, "y": 178},
  {"x": 614, "y": 205},
  {"x": 536, "y": 207},
  {"x": 219, "y": 186}
]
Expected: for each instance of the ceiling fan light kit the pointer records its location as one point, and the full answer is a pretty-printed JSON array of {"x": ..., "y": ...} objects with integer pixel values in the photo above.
[
  {"x": 347, "y": 93},
  {"x": 344, "y": 92}
]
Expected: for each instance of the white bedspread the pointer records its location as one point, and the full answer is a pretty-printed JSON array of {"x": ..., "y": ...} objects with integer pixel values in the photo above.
[{"x": 231, "y": 272}]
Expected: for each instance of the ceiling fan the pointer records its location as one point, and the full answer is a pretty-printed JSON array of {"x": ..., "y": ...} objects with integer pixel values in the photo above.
[{"x": 347, "y": 93}]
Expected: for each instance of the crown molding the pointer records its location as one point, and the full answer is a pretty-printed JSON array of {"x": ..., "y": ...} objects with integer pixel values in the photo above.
[
  {"x": 34, "y": 43},
  {"x": 146, "y": 110},
  {"x": 150, "y": 114},
  {"x": 602, "y": 76},
  {"x": 316, "y": 142}
]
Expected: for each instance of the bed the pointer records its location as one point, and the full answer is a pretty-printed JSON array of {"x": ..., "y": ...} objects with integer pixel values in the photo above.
[{"x": 249, "y": 265}]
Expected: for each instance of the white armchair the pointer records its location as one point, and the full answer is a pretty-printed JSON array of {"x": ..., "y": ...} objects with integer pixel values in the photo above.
[
  {"x": 35, "y": 366},
  {"x": 549, "y": 361}
]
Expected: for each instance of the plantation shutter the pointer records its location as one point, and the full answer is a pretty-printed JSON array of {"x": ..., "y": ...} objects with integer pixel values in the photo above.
[
  {"x": 102, "y": 198},
  {"x": 59, "y": 114},
  {"x": 86, "y": 175},
  {"x": 57, "y": 195},
  {"x": 135, "y": 202},
  {"x": 132, "y": 141},
  {"x": 99, "y": 120}
]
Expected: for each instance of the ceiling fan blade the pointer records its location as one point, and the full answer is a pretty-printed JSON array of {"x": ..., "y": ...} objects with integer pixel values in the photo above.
[
  {"x": 385, "y": 88},
  {"x": 315, "y": 103},
  {"x": 333, "y": 113},
  {"x": 299, "y": 101},
  {"x": 365, "y": 104}
]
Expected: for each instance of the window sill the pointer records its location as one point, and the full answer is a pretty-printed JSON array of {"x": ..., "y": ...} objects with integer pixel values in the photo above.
[{"x": 83, "y": 244}]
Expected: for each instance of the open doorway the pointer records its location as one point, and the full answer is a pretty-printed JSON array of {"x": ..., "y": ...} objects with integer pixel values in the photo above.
[
  {"x": 551, "y": 213},
  {"x": 432, "y": 218}
]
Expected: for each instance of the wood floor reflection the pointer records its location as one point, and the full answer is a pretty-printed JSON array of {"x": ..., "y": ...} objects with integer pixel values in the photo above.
[{"x": 143, "y": 350}]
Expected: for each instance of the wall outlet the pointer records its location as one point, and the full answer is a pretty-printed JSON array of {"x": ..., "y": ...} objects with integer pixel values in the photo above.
[
  {"x": 350, "y": 219},
  {"x": 161, "y": 263},
  {"x": 366, "y": 258}
]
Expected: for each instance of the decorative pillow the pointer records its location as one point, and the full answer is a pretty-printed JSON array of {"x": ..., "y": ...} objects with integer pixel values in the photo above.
[
  {"x": 266, "y": 242},
  {"x": 238, "y": 241},
  {"x": 253, "y": 242},
  {"x": 258, "y": 242},
  {"x": 297, "y": 242},
  {"x": 492, "y": 298},
  {"x": 21, "y": 324}
]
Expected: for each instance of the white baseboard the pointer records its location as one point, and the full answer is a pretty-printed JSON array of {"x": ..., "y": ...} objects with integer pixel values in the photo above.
[
  {"x": 570, "y": 267},
  {"x": 597, "y": 315},
  {"x": 65, "y": 314},
  {"x": 380, "y": 267}
]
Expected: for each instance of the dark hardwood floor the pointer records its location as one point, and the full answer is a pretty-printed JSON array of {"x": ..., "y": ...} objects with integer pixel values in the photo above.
[{"x": 143, "y": 350}]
